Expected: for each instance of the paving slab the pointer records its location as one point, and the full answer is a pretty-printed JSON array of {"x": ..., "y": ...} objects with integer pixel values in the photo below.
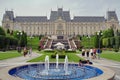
[{"x": 113, "y": 65}]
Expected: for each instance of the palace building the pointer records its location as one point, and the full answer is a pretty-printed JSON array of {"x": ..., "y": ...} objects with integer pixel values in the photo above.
[{"x": 60, "y": 23}]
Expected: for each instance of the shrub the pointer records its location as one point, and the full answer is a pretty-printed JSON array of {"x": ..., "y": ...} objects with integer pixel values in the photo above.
[
  {"x": 61, "y": 56},
  {"x": 70, "y": 51}
]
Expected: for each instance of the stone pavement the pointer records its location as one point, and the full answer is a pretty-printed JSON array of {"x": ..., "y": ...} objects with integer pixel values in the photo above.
[
  {"x": 113, "y": 65},
  {"x": 17, "y": 60}
]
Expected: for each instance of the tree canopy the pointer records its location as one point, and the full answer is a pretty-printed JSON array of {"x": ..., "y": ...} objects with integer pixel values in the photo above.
[
  {"x": 2, "y": 32},
  {"x": 108, "y": 33}
]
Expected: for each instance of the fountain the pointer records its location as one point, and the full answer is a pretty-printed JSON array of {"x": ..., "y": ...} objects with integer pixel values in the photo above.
[
  {"x": 55, "y": 71},
  {"x": 45, "y": 71},
  {"x": 66, "y": 65},
  {"x": 57, "y": 61}
]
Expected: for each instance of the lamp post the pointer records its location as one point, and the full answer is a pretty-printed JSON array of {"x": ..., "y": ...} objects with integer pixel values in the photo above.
[
  {"x": 31, "y": 40},
  {"x": 19, "y": 37},
  {"x": 99, "y": 33},
  {"x": 88, "y": 40}
]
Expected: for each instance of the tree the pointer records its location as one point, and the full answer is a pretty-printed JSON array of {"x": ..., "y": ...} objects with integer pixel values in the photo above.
[
  {"x": 108, "y": 33},
  {"x": 8, "y": 31},
  {"x": 2, "y": 32},
  {"x": 96, "y": 41},
  {"x": 23, "y": 39},
  {"x": 112, "y": 42},
  {"x": 117, "y": 40},
  {"x": 2, "y": 42},
  {"x": 106, "y": 42},
  {"x": 12, "y": 32}
]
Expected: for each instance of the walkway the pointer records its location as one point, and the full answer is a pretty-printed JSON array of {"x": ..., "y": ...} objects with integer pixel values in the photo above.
[
  {"x": 18, "y": 60},
  {"x": 115, "y": 66}
]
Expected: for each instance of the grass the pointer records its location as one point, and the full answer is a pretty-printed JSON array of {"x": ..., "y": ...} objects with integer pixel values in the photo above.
[
  {"x": 72, "y": 57},
  {"x": 9, "y": 54},
  {"x": 111, "y": 55}
]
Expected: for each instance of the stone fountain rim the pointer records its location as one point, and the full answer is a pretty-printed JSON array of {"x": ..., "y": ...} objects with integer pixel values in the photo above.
[{"x": 108, "y": 74}]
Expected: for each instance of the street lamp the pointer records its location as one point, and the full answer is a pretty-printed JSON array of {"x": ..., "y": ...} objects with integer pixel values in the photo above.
[
  {"x": 19, "y": 37},
  {"x": 31, "y": 39},
  {"x": 99, "y": 33},
  {"x": 88, "y": 36}
]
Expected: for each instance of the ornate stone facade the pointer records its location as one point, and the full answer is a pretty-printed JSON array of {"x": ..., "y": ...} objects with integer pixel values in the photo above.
[{"x": 60, "y": 23}]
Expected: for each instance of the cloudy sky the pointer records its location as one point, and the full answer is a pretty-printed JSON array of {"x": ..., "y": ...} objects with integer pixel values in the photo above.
[{"x": 43, "y": 7}]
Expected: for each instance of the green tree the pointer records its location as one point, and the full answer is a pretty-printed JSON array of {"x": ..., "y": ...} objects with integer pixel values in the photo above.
[
  {"x": 96, "y": 41},
  {"x": 112, "y": 42},
  {"x": 2, "y": 42},
  {"x": 23, "y": 39},
  {"x": 106, "y": 42},
  {"x": 117, "y": 40},
  {"x": 8, "y": 31},
  {"x": 108, "y": 33},
  {"x": 2, "y": 32}
]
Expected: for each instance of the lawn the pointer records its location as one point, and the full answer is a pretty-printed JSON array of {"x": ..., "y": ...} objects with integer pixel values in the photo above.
[
  {"x": 9, "y": 54},
  {"x": 111, "y": 55},
  {"x": 72, "y": 57}
]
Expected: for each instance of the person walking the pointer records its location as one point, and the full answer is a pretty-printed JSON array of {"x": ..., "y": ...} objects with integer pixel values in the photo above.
[
  {"x": 25, "y": 51},
  {"x": 83, "y": 52},
  {"x": 98, "y": 53},
  {"x": 30, "y": 52},
  {"x": 94, "y": 54}
]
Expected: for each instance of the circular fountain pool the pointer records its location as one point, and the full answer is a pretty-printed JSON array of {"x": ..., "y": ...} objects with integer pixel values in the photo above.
[{"x": 38, "y": 72}]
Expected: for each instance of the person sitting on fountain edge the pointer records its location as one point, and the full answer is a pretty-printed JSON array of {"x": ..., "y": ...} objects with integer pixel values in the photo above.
[{"x": 81, "y": 62}]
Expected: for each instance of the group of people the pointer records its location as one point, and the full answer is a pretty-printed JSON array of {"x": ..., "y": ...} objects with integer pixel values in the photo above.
[
  {"x": 27, "y": 51},
  {"x": 82, "y": 62},
  {"x": 91, "y": 53}
]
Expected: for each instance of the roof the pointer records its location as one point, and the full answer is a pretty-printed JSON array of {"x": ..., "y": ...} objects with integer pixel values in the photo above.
[
  {"x": 31, "y": 19},
  {"x": 65, "y": 15},
  {"x": 111, "y": 15},
  {"x": 9, "y": 14},
  {"x": 88, "y": 19}
]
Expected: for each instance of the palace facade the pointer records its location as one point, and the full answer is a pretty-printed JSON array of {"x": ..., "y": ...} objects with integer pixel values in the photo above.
[{"x": 60, "y": 23}]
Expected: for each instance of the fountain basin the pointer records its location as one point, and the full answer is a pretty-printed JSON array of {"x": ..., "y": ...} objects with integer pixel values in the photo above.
[{"x": 37, "y": 72}]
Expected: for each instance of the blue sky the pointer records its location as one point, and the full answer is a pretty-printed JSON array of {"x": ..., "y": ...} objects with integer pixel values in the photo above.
[{"x": 43, "y": 7}]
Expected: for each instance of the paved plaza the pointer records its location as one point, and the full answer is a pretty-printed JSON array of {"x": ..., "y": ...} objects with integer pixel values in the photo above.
[
  {"x": 113, "y": 65},
  {"x": 18, "y": 60}
]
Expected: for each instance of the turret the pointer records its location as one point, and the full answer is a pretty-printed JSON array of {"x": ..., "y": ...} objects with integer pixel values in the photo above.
[
  {"x": 111, "y": 16},
  {"x": 8, "y": 19},
  {"x": 112, "y": 20}
]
